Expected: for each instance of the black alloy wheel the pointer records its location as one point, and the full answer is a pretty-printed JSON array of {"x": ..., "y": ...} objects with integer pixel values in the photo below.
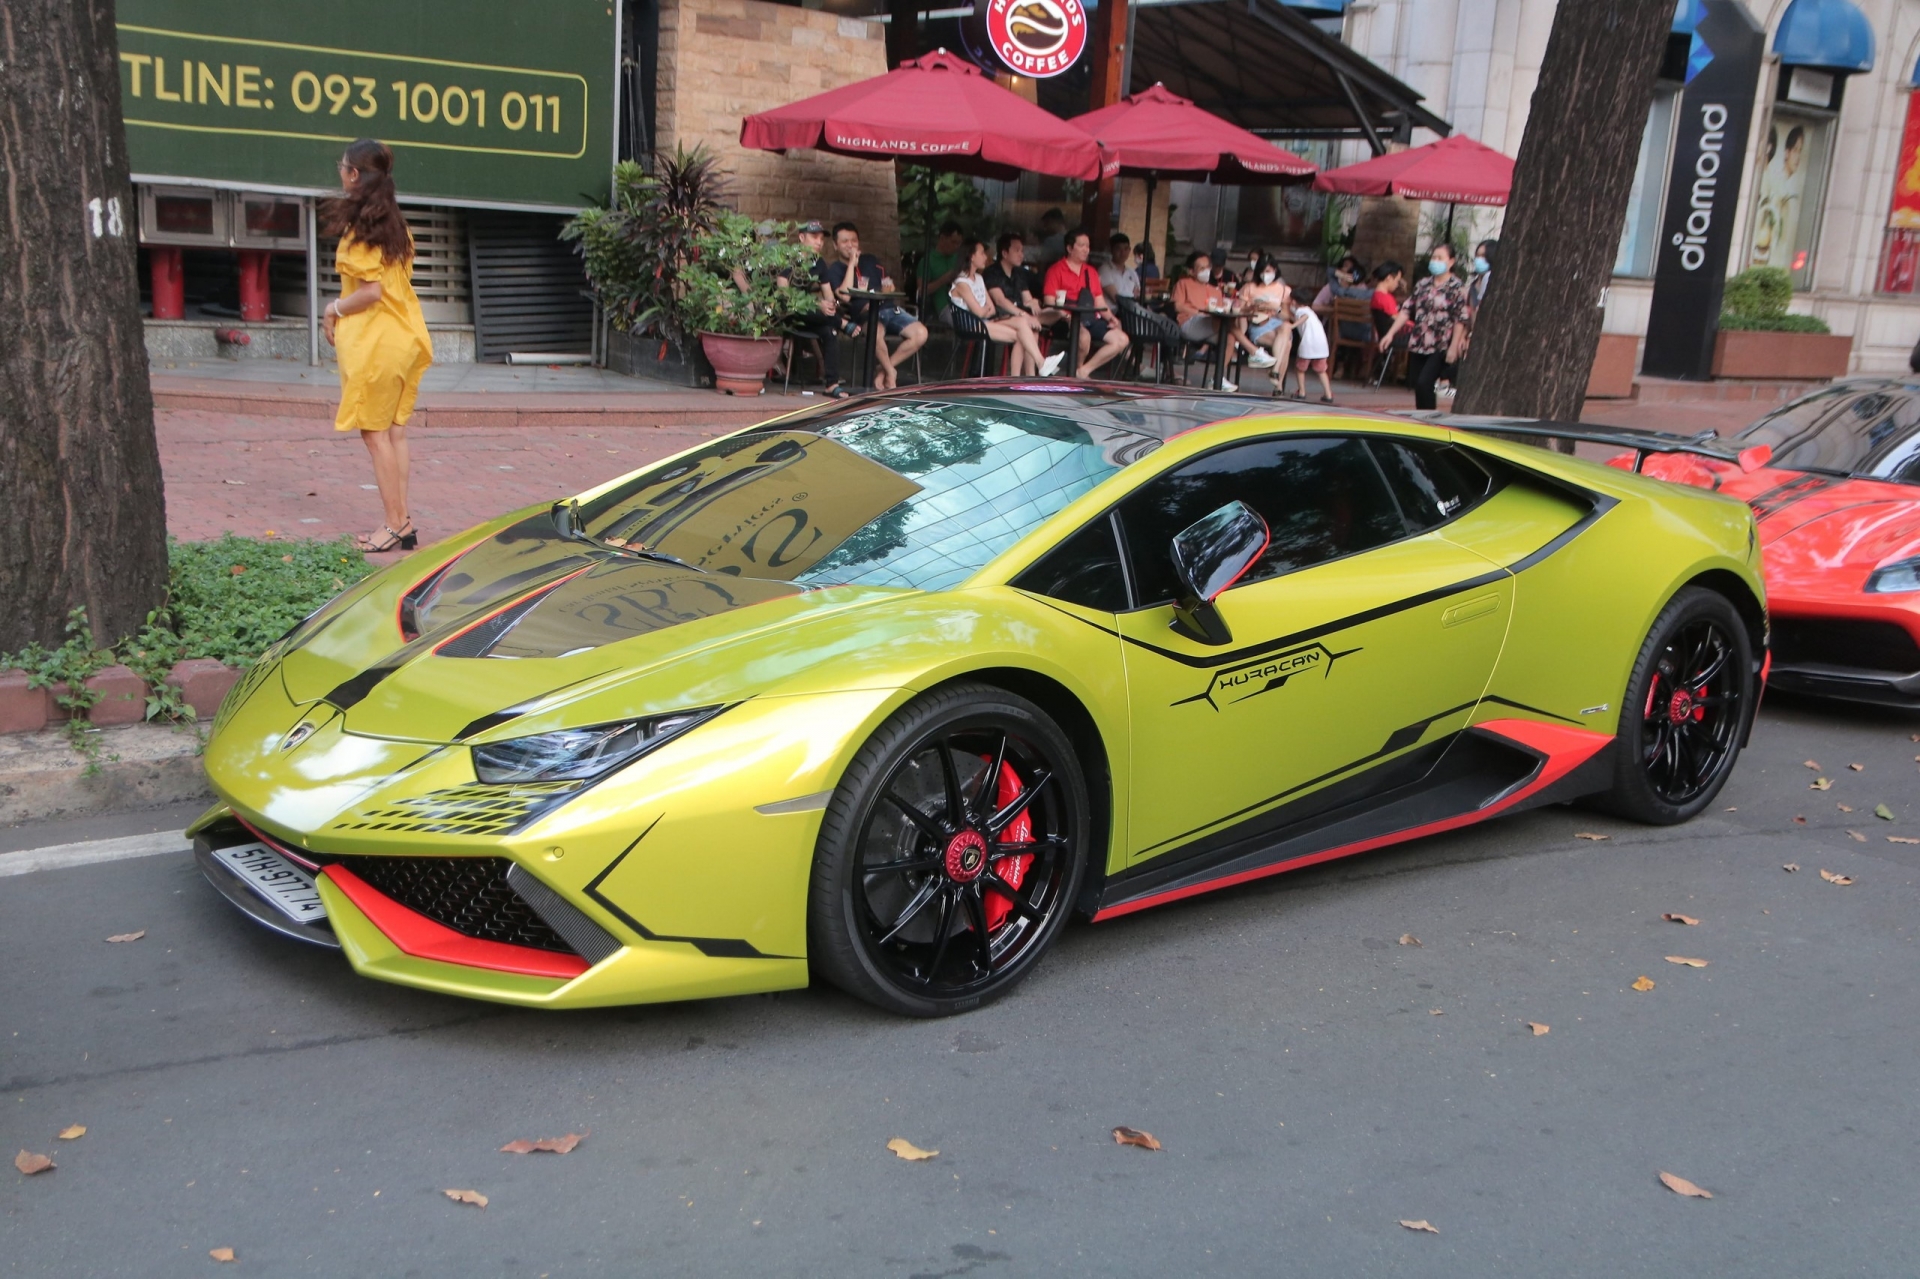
[
  {"x": 951, "y": 853},
  {"x": 1686, "y": 716}
]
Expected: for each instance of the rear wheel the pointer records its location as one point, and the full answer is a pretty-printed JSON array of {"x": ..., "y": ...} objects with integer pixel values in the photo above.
[
  {"x": 950, "y": 855},
  {"x": 1686, "y": 712}
]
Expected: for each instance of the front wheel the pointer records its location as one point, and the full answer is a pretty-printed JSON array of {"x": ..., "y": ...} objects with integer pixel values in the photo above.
[
  {"x": 950, "y": 855},
  {"x": 1686, "y": 711}
]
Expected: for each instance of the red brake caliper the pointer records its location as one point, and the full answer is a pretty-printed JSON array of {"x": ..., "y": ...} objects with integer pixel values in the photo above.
[{"x": 1012, "y": 867}]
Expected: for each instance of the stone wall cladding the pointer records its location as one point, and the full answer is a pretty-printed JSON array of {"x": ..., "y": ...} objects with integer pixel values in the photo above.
[{"x": 722, "y": 60}]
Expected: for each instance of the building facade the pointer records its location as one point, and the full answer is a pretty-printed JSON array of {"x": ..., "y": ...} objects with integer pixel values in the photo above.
[{"x": 1827, "y": 151}]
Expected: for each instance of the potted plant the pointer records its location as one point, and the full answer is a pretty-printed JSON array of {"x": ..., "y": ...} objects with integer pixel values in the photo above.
[
  {"x": 1760, "y": 338},
  {"x": 636, "y": 250},
  {"x": 734, "y": 293}
]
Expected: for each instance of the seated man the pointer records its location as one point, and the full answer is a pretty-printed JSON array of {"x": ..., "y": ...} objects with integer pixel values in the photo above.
[
  {"x": 823, "y": 325},
  {"x": 1010, "y": 289},
  {"x": 1118, "y": 276},
  {"x": 1071, "y": 280},
  {"x": 853, "y": 269},
  {"x": 939, "y": 268}
]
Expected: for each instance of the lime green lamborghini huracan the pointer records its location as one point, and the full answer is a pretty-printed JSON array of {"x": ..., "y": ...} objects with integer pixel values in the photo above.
[{"x": 885, "y": 691}]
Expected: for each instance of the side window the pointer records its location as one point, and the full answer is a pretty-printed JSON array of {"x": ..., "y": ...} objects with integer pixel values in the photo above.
[
  {"x": 1322, "y": 496},
  {"x": 1433, "y": 482},
  {"x": 1085, "y": 570}
]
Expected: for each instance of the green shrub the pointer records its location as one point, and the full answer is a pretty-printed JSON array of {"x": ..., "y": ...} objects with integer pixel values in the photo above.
[
  {"x": 1760, "y": 290},
  {"x": 229, "y": 599},
  {"x": 711, "y": 302},
  {"x": 1787, "y": 323}
]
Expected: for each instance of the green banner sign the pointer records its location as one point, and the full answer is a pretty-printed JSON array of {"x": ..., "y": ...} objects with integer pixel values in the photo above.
[{"x": 491, "y": 102}]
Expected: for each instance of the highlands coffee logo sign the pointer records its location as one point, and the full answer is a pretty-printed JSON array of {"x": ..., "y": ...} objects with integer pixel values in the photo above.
[
  {"x": 1692, "y": 240},
  {"x": 1038, "y": 38}
]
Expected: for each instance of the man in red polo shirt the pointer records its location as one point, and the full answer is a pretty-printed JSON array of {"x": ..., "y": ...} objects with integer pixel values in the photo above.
[{"x": 1071, "y": 280}]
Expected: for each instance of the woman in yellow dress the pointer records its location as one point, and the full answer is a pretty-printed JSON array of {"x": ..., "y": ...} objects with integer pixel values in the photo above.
[{"x": 378, "y": 329}]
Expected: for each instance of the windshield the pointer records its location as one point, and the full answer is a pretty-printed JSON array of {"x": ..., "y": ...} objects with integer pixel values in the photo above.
[
  {"x": 1844, "y": 430},
  {"x": 917, "y": 494}
]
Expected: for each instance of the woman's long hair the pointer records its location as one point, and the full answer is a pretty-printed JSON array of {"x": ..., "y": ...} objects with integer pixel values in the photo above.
[{"x": 370, "y": 212}]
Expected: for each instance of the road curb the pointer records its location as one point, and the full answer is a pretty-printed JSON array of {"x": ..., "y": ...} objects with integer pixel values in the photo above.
[{"x": 142, "y": 766}]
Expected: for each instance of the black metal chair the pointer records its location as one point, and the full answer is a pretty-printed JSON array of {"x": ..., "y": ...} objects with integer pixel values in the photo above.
[{"x": 973, "y": 346}]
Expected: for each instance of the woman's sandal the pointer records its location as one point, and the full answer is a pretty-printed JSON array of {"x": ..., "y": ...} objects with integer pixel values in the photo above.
[{"x": 394, "y": 541}]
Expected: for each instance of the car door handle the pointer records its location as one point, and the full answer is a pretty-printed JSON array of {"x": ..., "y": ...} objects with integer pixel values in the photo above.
[{"x": 1483, "y": 606}]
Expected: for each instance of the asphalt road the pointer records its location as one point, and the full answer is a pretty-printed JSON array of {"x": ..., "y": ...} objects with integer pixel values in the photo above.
[{"x": 1313, "y": 1082}]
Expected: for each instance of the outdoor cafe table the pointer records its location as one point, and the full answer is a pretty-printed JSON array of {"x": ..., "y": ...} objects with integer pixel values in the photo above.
[
  {"x": 870, "y": 308},
  {"x": 1221, "y": 319}
]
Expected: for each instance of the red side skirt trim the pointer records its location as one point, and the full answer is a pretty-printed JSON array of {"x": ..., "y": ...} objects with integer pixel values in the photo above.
[
  {"x": 1562, "y": 749},
  {"x": 423, "y": 938}
]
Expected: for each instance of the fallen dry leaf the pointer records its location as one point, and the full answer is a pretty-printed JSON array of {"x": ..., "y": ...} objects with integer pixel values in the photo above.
[
  {"x": 1538, "y": 1028},
  {"x": 1682, "y": 959},
  {"x": 1587, "y": 834},
  {"x": 1845, "y": 808},
  {"x": 1800, "y": 821},
  {"x": 1643, "y": 983},
  {"x": 1790, "y": 867},
  {"x": 1681, "y": 1186},
  {"x": 1811, "y": 764},
  {"x": 1436, "y": 1012},
  {"x": 1680, "y": 919},
  {"x": 1820, "y": 783},
  {"x": 1858, "y": 768},
  {"x": 1408, "y": 939},
  {"x": 1884, "y": 813},
  {"x": 551, "y": 1145},
  {"x": 1832, "y": 878},
  {"x": 1125, "y": 1136},
  {"x": 1902, "y": 839},
  {"x": 473, "y": 1197},
  {"x": 73, "y": 1132},
  {"x": 128, "y": 936},
  {"x": 907, "y": 1150},
  {"x": 29, "y": 1163},
  {"x": 1423, "y": 1226},
  {"x": 222, "y": 1254},
  {"x": 1856, "y": 837}
]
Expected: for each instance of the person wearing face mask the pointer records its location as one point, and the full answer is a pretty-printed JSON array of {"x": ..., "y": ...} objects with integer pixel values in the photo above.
[
  {"x": 1435, "y": 318},
  {"x": 1480, "y": 274},
  {"x": 1267, "y": 301}
]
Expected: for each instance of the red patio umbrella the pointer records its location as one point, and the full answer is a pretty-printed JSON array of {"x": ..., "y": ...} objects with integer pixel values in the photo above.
[
  {"x": 937, "y": 110},
  {"x": 1457, "y": 170},
  {"x": 1159, "y": 134}
]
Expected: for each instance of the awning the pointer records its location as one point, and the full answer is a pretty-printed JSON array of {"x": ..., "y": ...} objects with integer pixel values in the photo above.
[
  {"x": 1266, "y": 67},
  {"x": 1830, "y": 34}
]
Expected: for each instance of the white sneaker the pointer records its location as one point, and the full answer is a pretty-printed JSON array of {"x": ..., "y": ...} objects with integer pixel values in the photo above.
[
  {"x": 1260, "y": 360},
  {"x": 1051, "y": 365},
  {"x": 1228, "y": 387}
]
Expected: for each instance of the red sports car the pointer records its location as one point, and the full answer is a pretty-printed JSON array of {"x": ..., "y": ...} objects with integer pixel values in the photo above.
[{"x": 1834, "y": 479}]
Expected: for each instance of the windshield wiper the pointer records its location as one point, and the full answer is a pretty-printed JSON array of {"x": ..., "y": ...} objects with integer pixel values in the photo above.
[{"x": 565, "y": 517}]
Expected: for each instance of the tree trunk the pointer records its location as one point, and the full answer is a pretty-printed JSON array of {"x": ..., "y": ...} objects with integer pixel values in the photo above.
[
  {"x": 82, "y": 516},
  {"x": 1534, "y": 341}
]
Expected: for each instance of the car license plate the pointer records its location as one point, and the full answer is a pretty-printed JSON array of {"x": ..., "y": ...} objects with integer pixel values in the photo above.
[{"x": 284, "y": 886}]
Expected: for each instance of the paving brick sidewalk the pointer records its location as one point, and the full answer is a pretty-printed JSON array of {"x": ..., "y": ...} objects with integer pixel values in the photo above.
[{"x": 297, "y": 477}]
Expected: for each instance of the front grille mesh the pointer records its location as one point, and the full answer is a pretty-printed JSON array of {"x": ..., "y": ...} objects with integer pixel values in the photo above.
[
  {"x": 1866, "y": 645},
  {"x": 472, "y": 809},
  {"x": 467, "y": 894}
]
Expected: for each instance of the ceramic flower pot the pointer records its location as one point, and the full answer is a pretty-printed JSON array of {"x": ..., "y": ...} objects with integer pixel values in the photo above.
[{"x": 740, "y": 364}]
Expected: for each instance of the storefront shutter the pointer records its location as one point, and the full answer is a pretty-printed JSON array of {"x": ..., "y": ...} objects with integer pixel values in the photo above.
[{"x": 528, "y": 286}]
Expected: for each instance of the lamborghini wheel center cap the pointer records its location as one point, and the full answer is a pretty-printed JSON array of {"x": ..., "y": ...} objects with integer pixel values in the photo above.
[
  {"x": 1680, "y": 709},
  {"x": 966, "y": 856}
]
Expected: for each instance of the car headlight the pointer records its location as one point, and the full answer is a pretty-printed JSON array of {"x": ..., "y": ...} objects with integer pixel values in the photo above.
[
  {"x": 1902, "y": 575},
  {"x": 575, "y": 754}
]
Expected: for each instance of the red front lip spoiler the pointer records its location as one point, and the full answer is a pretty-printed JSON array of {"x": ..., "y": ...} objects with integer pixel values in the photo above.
[{"x": 423, "y": 938}]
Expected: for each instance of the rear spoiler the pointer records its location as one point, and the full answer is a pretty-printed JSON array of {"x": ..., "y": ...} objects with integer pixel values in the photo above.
[{"x": 1643, "y": 443}]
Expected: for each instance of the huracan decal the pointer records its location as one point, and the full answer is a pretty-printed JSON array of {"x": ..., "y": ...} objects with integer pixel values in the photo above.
[{"x": 1232, "y": 684}]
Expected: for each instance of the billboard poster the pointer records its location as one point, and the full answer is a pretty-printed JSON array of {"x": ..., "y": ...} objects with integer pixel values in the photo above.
[
  {"x": 1703, "y": 190},
  {"x": 487, "y": 102},
  {"x": 1905, "y": 214}
]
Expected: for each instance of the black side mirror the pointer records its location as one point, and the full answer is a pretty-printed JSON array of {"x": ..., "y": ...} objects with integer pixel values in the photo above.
[{"x": 1209, "y": 556}]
